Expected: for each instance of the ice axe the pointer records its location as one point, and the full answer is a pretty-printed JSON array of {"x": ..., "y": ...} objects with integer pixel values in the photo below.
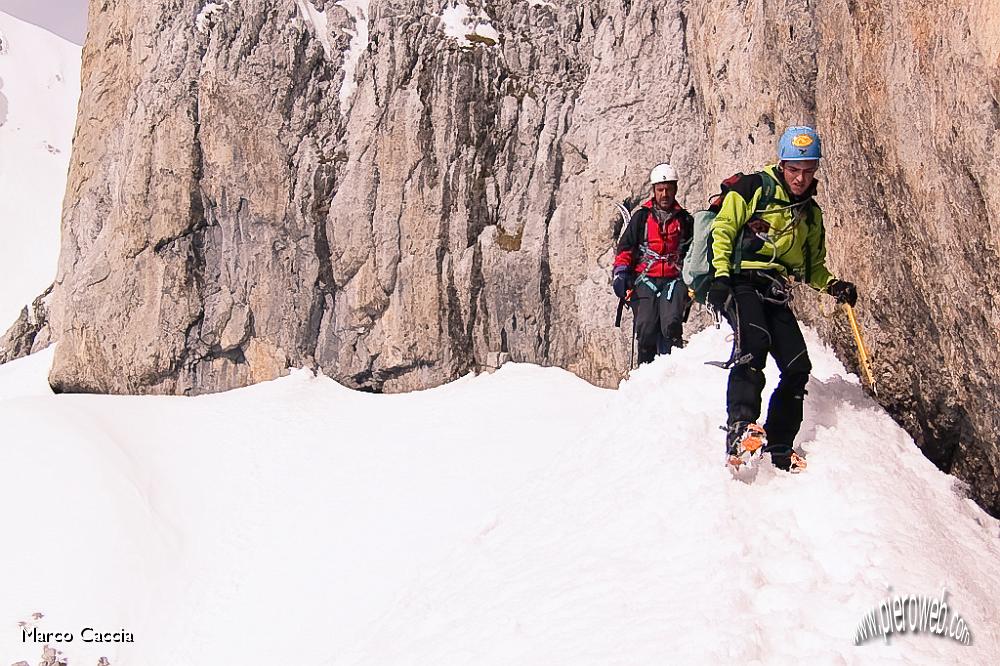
[
  {"x": 626, "y": 215},
  {"x": 865, "y": 361},
  {"x": 731, "y": 314},
  {"x": 862, "y": 351},
  {"x": 627, "y": 301},
  {"x": 623, "y": 302}
]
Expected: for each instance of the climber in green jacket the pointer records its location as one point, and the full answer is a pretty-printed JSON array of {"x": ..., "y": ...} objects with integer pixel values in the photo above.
[{"x": 769, "y": 230}]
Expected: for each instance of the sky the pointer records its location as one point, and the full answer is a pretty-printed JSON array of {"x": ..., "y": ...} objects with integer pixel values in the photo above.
[{"x": 66, "y": 18}]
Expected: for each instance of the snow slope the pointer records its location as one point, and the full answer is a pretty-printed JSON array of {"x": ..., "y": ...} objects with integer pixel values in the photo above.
[
  {"x": 524, "y": 517},
  {"x": 39, "y": 89}
]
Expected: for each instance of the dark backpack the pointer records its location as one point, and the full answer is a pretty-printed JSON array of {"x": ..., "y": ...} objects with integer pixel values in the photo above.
[{"x": 698, "y": 271}]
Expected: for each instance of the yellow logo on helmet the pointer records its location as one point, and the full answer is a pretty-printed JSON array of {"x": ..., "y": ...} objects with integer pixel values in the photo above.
[{"x": 802, "y": 140}]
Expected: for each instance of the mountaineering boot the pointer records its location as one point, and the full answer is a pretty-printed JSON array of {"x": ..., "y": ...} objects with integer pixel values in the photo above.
[
  {"x": 743, "y": 440},
  {"x": 784, "y": 458},
  {"x": 789, "y": 461}
]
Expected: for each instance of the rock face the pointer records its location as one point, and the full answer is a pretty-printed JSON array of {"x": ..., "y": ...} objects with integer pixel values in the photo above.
[
  {"x": 909, "y": 94},
  {"x": 371, "y": 191}
]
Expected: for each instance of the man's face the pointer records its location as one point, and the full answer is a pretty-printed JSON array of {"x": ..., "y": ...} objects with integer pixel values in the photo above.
[
  {"x": 799, "y": 175},
  {"x": 664, "y": 193}
]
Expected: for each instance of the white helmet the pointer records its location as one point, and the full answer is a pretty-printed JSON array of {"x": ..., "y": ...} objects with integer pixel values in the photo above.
[{"x": 663, "y": 173}]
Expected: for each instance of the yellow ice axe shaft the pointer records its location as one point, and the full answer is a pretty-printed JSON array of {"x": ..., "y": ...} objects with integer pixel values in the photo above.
[{"x": 862, "y": 352}]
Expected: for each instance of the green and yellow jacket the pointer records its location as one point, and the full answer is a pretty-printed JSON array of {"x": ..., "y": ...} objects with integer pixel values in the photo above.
[{"x": 795, "y": 239}]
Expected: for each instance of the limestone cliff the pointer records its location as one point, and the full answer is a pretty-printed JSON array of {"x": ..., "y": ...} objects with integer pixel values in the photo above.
[{"x": 395, "y": 191}]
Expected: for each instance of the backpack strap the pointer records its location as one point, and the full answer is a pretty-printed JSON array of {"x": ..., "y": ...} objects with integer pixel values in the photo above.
[
  {"x": 810, "y": 220},
  {"x": 766, "y": 198}
]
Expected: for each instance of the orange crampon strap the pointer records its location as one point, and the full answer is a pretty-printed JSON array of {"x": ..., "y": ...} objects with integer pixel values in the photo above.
[{"x": 753, "y": 438}]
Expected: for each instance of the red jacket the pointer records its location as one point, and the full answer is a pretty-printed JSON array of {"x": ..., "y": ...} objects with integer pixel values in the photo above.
[{"x": 644, "y": 236}]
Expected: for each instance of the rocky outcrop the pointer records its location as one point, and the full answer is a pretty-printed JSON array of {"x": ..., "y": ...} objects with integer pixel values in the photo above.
[
  {"x": 247, "y": 195},
  {"x": 30, "y": 332}
]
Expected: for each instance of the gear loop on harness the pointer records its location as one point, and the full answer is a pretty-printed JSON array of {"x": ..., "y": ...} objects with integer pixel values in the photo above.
[{"x": 778, "y": 290}]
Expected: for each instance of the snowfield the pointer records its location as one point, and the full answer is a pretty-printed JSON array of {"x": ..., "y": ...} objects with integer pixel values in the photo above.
[
  {"x": 39, "y": 89},
  {"x": 521, "y": 517}
]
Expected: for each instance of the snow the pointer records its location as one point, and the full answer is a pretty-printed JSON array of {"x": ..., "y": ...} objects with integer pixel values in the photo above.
[
  {"x": 458, "y": 23},
  {"x": 485, "y": 29},
  {"x": 207, "y": 16},
  {"x": 520, "y": 517},
  {"x": 317, "y": 20},
  {"x": 27, "y": 376},
  {"x": 358, "y": 9},
  {"x": 454, "y": 20},
  {"x": 39, "y": 89}
]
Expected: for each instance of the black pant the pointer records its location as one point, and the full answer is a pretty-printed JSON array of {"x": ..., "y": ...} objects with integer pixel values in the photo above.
[
  {"x": 764, "y": 328},
  {"x": 658, "y": 319}
]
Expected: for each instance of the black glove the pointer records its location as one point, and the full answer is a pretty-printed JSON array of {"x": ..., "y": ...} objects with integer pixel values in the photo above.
[
  {"x": 719, "y": 293},
  {"x": 622, "y": 282},
  {"x": 844, "y": 292}
]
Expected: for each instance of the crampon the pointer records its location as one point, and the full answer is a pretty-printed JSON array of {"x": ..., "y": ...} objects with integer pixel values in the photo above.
[
  {"x": 798, "y": 463},
  {"x": 749, "y": 443}
]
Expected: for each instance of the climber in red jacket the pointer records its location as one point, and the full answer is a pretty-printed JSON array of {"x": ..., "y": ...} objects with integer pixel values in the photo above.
[{"x": 648, "y": 264}]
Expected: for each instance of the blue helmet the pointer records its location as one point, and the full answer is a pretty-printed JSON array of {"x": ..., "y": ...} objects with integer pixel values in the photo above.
[{"x": 799, "y": 143}]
